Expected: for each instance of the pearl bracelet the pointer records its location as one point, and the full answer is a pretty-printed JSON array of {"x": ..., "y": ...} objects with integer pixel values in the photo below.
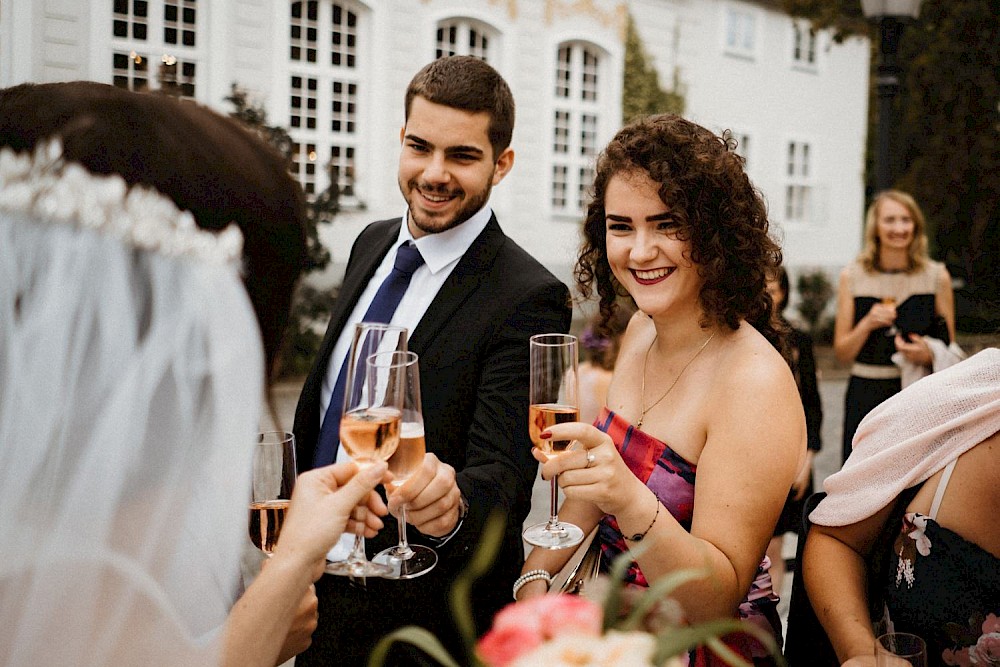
[{"x": 531, "y": 575}]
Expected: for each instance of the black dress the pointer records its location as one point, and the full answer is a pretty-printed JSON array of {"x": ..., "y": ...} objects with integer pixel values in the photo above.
[
  {"x": 804, "y": 369},
  {"x": 874, "y": 377},
  {"x": 945, "y": 589}
]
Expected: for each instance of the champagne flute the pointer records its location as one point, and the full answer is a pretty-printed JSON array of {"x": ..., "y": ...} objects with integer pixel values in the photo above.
[
  {"x": 553, "y": 399},
  {"x": 406, "y": 560},
  {"x": 273, "y": 481},
  {"x": 893, "y": 329},
  {"x": 369, "y": 426},
  {"x": 900, "y": 649}
]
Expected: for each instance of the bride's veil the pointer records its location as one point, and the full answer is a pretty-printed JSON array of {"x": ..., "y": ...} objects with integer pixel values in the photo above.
[{"x": 131, "y": 378}]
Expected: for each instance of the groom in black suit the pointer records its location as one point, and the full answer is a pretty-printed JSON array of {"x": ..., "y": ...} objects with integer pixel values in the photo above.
[{"x": 470, "y": 308}]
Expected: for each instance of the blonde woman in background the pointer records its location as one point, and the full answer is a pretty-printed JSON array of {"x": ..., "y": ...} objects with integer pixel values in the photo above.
[{"x": 892, "y": 298}]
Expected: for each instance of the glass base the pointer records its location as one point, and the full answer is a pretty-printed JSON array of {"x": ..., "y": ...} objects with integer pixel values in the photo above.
[
  {"x": 357, "y": 569},
  {"x": 549, "y": 535},
  {"x": 420, "y": 560}
]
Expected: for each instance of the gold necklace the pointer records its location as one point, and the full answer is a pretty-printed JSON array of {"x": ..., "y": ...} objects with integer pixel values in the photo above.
[{"x": 645, "y": 361}]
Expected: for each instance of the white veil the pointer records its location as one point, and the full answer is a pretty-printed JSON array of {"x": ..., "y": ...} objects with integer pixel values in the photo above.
[{"x": 131, "y": 377}]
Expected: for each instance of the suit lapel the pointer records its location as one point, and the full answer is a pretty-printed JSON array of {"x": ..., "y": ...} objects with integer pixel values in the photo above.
[
  {"x": 460, "y": 285},
  {"x": 361, "y": 270}
]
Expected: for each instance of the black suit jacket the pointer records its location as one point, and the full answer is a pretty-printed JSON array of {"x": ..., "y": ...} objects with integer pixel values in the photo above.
[{"x": 473, "y": 347}]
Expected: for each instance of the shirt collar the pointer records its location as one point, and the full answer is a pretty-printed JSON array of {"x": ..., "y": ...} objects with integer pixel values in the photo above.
[{"x": 442, "y": 249}]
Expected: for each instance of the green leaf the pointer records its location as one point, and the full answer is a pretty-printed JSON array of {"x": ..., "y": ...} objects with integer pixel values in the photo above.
[
  {"x": 461, "y": 590},
  {"x": 613, "y": 602},
  {"x": 675, "y": 641},
  {"x": 411, "y": 634},
  {"x": 658, "y": 591}
]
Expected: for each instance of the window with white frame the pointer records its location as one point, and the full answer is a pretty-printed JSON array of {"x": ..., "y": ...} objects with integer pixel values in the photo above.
[
  {"x": 154, "y": 45},
  {"x": 740, "y": 26},
  {"x": 799, "y": 184},
  {"x": 575, "y": 120},
  {"x": 803, "y": 46},
  {"x": 324, "y": 89},
  {"x": 465, "y": 37}
]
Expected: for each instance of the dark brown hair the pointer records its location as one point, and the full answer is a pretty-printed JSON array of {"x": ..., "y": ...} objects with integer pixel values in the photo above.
[
  {"x": 205, "y": 162},
  {"x": 723, "y": 217},
  {"x": 469, "y": 84}
]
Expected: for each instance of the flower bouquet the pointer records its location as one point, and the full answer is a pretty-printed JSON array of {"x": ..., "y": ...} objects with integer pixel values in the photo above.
[{"x": 612, "y": 625}]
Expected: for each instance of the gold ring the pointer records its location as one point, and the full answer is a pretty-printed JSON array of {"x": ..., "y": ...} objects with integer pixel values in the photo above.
[{"x": 590, "y": 459}]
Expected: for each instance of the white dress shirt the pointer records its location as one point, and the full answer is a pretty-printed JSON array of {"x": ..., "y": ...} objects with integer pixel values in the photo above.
[{"x": 441, "y": 253}]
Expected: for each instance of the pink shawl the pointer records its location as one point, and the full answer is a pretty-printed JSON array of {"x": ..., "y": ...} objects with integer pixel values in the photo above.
[{"x": 912, "y": 435}]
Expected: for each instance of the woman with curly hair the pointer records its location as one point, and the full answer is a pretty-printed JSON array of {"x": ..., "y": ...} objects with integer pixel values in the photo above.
[{"x": 699, "y": 387}]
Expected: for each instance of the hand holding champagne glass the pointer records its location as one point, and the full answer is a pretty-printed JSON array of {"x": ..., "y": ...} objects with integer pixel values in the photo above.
[
  {"x": 273, "y": 480},
  {"x": 407, "y": 561},
  {"x": 369, "y": 426},
  {"x": 553, "y": 399},
  {"x": 893, "y": 329}
]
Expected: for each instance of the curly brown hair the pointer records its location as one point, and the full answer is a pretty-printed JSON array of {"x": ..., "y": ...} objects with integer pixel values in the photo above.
[{"x": 723, "y": 217}]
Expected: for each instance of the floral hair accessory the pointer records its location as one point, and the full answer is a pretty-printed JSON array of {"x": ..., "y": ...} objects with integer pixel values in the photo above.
[{"x": 45, "y": 185}]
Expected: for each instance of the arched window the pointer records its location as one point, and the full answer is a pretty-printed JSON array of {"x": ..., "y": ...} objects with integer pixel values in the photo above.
[
  {"x": 155, "y": 45},
  {"x": 465, "y": 37},
  {"x": 574, "y": 125},
  {"x": 324, "y": 86}
]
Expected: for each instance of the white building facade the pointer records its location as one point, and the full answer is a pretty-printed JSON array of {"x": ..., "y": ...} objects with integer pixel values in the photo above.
[{"x": 334, "y": 73}]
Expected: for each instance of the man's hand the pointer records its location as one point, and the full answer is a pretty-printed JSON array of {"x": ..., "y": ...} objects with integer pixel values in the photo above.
[{"x": 431, "y": 496}]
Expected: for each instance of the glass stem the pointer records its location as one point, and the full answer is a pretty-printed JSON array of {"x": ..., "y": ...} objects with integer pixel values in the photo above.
[
  {"x": 553, "y": 515},
  {"x": 403, "y": 548},
  {"x": 358, "y": 552}
]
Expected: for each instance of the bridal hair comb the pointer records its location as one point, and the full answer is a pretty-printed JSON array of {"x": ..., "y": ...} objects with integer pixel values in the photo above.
[{"x": 46, "y": 186}]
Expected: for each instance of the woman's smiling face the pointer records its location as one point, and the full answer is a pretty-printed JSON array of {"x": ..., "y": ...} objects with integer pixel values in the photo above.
[
  {"x": 895, "y": 225},
  {"x": 647, "y": 247}
]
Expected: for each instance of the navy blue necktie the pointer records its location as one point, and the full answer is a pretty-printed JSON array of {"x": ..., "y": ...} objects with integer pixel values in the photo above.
[{"x": 389, "y": 294}]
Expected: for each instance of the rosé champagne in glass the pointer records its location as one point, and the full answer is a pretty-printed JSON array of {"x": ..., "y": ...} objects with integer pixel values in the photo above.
[
  {"x": 406, "y": 560},
  {"x": 273, "y": 481},
  {"x": 369, "y": 424},
  {"x": 541, "y": 417},
  {"x": 370, "y": 434},
  {"x": 553, "y": 399}
]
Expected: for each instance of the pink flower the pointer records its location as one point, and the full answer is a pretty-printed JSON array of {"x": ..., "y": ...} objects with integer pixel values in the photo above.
[
  {"x": 571, "y": 614},
  {"x": 959, "y": 658},
  {"x": 991, "y": 624},
  {"x": 923, "y": 542},
  {"x": 521, "y": 627},
  {"x": 986, "y": 652},
  {"x": 615, "y": 649},
  {"x": 502, "y": 646}
]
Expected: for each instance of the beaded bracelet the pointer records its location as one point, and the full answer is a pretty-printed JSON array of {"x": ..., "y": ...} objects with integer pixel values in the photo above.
[
  {"x": 638, "y": 536},
  {"x": 531, "y": 575}
]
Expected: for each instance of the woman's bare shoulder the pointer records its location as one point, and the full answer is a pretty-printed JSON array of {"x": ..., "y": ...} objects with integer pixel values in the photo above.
[{"x": 750, "y": 357}]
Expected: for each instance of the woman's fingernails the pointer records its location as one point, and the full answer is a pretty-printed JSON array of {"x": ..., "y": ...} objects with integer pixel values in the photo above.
[{"x": 545, "y": 435}]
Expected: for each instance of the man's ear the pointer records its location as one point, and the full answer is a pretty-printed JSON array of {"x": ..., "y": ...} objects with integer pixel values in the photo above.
[{"x": 504, "y": 164}]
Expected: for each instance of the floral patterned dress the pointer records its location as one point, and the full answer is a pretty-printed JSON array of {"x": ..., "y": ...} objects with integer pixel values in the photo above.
[
  {"x": 672, "y": 478},
  {"x": 945, "y": 589}
]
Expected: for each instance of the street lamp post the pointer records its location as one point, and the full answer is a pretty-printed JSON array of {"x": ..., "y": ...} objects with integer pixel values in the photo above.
[{"x": 889, "y": 16}]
